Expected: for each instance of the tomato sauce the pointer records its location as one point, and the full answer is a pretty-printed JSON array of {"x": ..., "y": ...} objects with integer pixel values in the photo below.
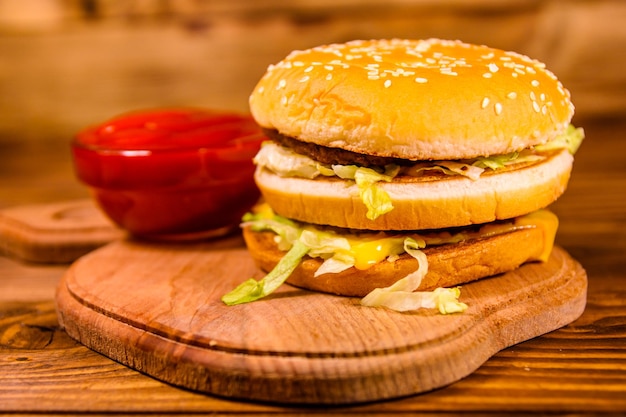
[{"x": 171, "y": 171}]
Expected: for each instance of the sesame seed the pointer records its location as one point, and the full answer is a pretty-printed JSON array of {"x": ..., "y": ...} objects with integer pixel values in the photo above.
[
  {"x": 421, "y": 80},
  {"x": 487, "y": 75},
  {"x": 512, "y": 95},
  {"x": 533, "y": 96},
  {"x": 544, "y": 109},
  {"x": 448, "y": 71},
  {"x": 329, "y": 67},
  {"x": 542, "y": 97},
  {"x": 536, "y": 107},
  {"x": 329, "y": 77},
  {"x": 304, "y": 79},
  {"x": 498, "y": 108},
  {"x": 309, "y": 68},
  {"x": 261, "y": 90},
  {"x": 281, "y": 84},
  {"x": 534, "y": 83},
  {"x": 514, "y": 75},
  {"x": 484, "y": 103},
  {"x": 387, "y": 83},
  {"x": 493, "y": 67}
]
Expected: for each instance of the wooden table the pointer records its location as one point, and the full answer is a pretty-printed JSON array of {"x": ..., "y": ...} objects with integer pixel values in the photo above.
[{"x": 580, "y": 369}]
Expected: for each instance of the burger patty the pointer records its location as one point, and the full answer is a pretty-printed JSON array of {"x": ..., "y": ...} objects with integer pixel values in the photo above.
[{"x": 332, "y": 156}]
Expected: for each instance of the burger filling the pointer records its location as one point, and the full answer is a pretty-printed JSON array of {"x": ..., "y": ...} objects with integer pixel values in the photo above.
[
  {"x": 287, "y": 156},
  {"x": 341, "y": 249}
]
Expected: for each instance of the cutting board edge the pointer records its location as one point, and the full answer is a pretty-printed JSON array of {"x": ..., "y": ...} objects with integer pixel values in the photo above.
[
  {"x": 240, "y": 375},
  {"x": 54, "y": 233}
]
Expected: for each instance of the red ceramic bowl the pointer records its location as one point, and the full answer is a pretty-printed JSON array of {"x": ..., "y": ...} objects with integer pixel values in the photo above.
[{"x": 171, "y": 173}]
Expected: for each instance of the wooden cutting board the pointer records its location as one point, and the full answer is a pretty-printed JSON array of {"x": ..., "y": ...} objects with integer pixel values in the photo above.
[
  {"x": 156, "y": 308},
  {"x": 55, "y": 232}
]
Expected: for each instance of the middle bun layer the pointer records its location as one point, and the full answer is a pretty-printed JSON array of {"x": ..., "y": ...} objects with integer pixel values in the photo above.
[{"x": 420, "y": 203}]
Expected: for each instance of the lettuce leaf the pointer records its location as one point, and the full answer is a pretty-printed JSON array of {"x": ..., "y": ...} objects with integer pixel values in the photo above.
[
  {"x": 401, "y": 296},
  {"x": 252, "y": 290},
  {"x": 287, "y": 163},
  {"x": 337, "y": 254},
  {"x": 571, "y": 140},
  {"x": 375, "y": 198}
]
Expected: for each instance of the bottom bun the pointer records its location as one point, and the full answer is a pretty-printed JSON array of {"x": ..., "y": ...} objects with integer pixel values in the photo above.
[{"x": 448, "y": 265}]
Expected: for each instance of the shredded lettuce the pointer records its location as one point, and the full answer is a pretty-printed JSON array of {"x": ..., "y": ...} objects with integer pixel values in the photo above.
[
  {"x": 401, "y": 296},
  {"x": 495, "y": 161},
  {"x": 375, "y": 198},
  {"x": 287, "y": 163},
  {"x": 252, "y": 290},
  {"x": 571, "y": 140},
  {"x": 337, "y": 253},
  {"x": 447, "y": 167}
]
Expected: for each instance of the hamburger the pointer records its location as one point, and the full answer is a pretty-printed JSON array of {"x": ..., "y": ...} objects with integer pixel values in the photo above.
[{"x": 398, "y": 170}]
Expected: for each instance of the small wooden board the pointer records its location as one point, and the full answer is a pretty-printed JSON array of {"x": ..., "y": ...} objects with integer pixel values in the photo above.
[
  {"x": 157, "y": 309},
  {"x": 55, "y": 232}
]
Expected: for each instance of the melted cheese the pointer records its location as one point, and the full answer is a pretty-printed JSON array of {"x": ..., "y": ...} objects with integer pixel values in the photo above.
[
  {"x": 548, "y": 223},
  {"x": 371, "y": 251}
]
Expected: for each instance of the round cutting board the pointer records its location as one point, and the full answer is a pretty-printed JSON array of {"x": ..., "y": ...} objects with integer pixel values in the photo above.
[{"x": 156, "y": 308}]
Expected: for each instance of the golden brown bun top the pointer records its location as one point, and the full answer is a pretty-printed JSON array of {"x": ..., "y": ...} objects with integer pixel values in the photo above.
[{"x": 413, "y": 99}]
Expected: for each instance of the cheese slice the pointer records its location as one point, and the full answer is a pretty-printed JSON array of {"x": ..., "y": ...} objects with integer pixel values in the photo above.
[
  {"x": 366, "y": 249},
  {"x": 369, "y": 251},
  {"x": 546, "y": 221}
]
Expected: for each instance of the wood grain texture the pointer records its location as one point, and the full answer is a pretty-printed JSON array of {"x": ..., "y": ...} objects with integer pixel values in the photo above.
[
  {"x": 96, "y": 68},
  {"x": 157, "y": 308}
]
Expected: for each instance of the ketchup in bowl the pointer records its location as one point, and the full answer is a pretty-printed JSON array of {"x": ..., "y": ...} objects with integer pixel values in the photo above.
[{"x": 171, "y": 173}]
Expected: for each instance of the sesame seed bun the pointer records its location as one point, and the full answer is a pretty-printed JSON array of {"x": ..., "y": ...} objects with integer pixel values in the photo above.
[
  {"x": 399, "y": 103},
  {"x": 413, "y": 99}
]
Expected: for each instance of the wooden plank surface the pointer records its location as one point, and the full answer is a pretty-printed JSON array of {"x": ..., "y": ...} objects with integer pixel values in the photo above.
[
  {"x": 579, "y": 369},
  {"x": 49, "y": 92}
]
